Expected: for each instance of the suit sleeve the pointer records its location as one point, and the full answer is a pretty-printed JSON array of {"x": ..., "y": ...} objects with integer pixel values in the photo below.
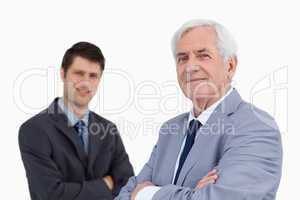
[
  {"x": 45, "y": 178},
  {"x": 144, "y": 175},
  {"x": 121, "y": 169},
  {"x": 250, "y": 168}
]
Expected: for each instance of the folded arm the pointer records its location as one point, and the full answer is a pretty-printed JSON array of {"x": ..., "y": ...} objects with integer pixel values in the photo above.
[
  {"x": 250, "y": 168},
  {"x": 45, "y": 178}
]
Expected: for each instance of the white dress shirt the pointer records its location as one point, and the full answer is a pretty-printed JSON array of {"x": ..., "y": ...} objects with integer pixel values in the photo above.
[{"x": 148, "y": 192}]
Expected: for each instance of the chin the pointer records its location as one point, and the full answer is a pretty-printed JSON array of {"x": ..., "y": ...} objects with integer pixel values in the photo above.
[
  {"x": 82, "y": 103},
  {"x": 203, "y": 94}
]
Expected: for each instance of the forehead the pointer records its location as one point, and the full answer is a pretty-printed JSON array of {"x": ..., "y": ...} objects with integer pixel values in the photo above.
[
  {"x": 83, "y": 64},
  {"x": 197, "y": 38}
]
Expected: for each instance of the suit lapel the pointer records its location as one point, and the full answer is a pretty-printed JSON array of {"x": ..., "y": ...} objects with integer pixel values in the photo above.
[
  {"x": 225, "y": 108},
  {"x": 201, "y": 142},
  {"x": 95, "y": 141},
  {"x": 175, "y": 141},
  {"x": 61, "y": 123}
]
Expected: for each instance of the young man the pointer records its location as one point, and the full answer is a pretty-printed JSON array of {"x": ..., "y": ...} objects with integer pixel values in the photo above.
[{"x": 68, "y": 151}]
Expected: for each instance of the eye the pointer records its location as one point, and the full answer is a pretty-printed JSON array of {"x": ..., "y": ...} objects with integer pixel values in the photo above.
[
  {"x": 182, "y": 59},
  {"x": 204, "y": 56},
  {"x": 93, "y": 76},
  {"x": 79, "y": 73}
]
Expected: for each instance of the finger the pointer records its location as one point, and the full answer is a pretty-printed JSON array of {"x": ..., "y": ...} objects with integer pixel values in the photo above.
[
  {"x": 215, "y": 176},
  {"x": 147, "y": 183},
  {"x": 201, "y": 185},
  {"x": 205, "y": 179},
  {"x": 212, "y": 172}
]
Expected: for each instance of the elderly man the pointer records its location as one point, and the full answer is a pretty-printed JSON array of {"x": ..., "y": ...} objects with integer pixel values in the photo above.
[{"x": 224, "y": 148}]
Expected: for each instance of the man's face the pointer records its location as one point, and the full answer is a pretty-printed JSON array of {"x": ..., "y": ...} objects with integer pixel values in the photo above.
[
  {"x": 201, "y": 70},
  {"x": 81, "y": 81}
]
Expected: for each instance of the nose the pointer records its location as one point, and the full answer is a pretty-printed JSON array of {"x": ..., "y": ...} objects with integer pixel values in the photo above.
[
  {"x": 84, "y": 78},
  {"x": 83, "y": 85},
  {"x": 192, "y": 65},
  {"x": 84, "y": 81},
  {"x": 192, "y": 68}
]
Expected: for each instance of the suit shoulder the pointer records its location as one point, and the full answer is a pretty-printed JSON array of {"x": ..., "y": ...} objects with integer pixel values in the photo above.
[
  {"x": 31, "y": 132},
  {"x": 249, "y": 115},
  {"x": 173, "y": 123},
  {"x": 177, "y": 119},
  {"x": 35, "y": 121}
]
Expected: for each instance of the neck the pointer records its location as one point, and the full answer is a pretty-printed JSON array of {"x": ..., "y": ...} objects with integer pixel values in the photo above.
[
  {"x": 201, "y": 104},
  {"x": 78, "y": 110}
]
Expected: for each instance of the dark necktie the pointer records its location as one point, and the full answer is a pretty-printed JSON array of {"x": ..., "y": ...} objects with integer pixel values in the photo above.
[
  {"x": 190, "y": 139},
  {"x": 79, "y": 126}
]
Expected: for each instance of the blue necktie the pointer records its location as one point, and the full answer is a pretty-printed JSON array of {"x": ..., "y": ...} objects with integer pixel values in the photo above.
[
  {"x": 80, "y": 128},
  {"x": 190, "y": 139}
]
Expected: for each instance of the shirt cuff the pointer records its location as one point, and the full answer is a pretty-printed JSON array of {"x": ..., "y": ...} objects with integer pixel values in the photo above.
[{"x": 147, "y": 193}]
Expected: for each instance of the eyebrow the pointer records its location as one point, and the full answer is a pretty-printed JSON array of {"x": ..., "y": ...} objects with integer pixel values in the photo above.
[
  {"x": 84, "y": 72},
  {"x": 79, "y": 70},
  {"x": 196, "y": 51},
  {"x": 181, "y": 54},
  {"x": 202, "y": 50},
  {"x": 94, "y": 73}
]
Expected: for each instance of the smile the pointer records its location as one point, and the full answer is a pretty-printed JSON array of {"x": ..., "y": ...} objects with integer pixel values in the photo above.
[
  {"x": 196, "y": 79},
  {"x": 83, "y": 91}
]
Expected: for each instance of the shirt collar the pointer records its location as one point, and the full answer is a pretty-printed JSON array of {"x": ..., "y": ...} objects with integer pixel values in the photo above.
[
  {"x": 72, "y": 118},
  {"x": 203, "y": 117}
]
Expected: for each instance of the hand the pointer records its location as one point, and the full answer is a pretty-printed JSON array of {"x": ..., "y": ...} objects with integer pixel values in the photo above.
[
  {"x": 211, "y": 177},
  {"x": 139, "y": 187},
  {"x": 109, "y": 182}
]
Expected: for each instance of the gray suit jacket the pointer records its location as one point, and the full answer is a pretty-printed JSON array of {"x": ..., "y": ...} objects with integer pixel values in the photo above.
[{"x": 242, "y": 142}]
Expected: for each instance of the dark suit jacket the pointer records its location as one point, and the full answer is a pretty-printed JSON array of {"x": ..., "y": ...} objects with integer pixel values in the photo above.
[{"x": 56, "y": 164}]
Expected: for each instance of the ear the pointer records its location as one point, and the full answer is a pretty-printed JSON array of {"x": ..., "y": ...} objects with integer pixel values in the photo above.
[
  {"x": 62, "y": 74},
  {"x": 101, "y": 73},
  {"x": 231, "y": 67}
]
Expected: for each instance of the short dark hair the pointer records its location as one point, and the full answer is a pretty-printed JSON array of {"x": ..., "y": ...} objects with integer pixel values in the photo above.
[{"x": 85, "y": 50}]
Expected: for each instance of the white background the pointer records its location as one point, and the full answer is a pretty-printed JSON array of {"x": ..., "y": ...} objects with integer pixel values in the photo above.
[{"x": 140, "y": 73}]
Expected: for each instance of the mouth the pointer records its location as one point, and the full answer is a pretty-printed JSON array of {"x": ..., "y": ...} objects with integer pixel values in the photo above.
[
  {"x": 83, "y": 92},
  {"x": 196, "y": 79}
]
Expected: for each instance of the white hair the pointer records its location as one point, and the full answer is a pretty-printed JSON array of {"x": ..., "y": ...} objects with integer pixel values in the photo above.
[{"x": 226, "y": 44}]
